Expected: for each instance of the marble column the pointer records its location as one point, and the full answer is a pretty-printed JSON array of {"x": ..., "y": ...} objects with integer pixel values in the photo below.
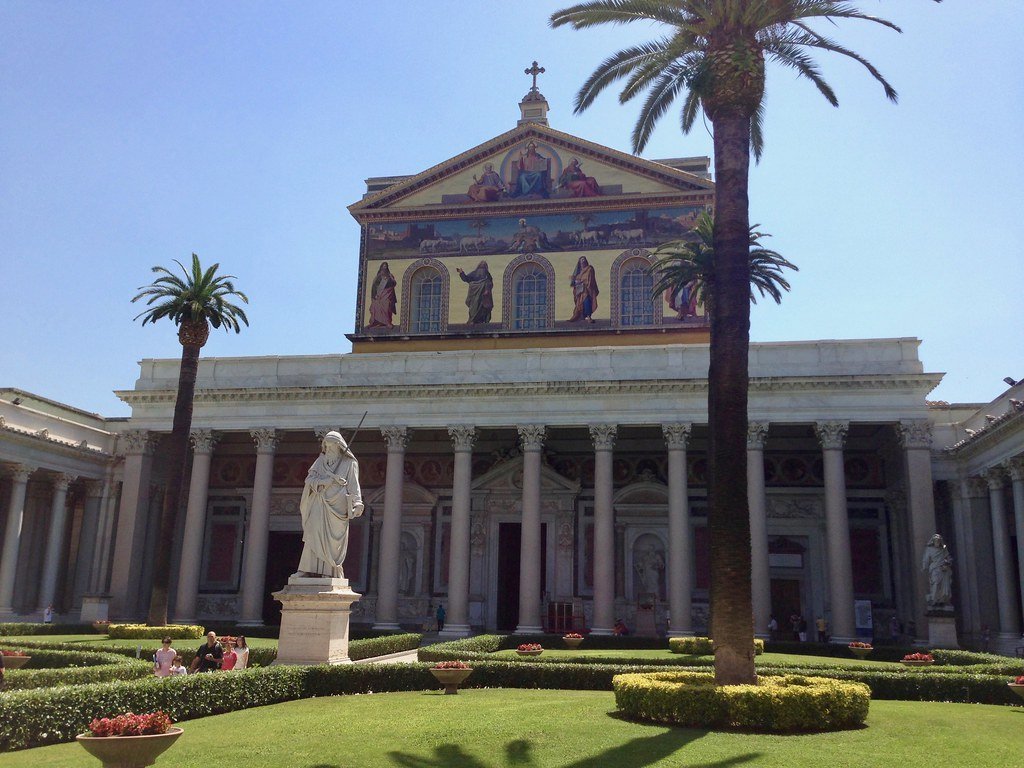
[
  {"x": 1015, "y": 468},
  {"x": 760, "y": 574},
  {"x": 254, "y": 565},
  {"x": 832, "y": 436},
  {"x": 12, "y": 537},
  {"x": 99, "y": 577},
  {"x": 680, "y": 536},
  {"x": 203, "y": 442},
  {"x": 976, "y": 574},
  {"x": 129, "y": 547},
  {"x": 391, "y": 529},
  {"x": 457, "y": 624},
  {"x": 916, "y": 438},
  {"x": 1006, "y": 599},
  {"x": 88, "y": 540},
  {"x": 603, "y": 436},
  {"x": 55, "y": 541},
  {"x": 532, "y": 438}
]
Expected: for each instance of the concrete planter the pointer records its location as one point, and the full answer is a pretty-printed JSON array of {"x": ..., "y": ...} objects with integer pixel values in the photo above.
[
  {"x": 16, "y": 662},
  {"x": 530, "y": 653},
  {"x": 128, "y": 751},
  {"x": 1016, "y": 688},
  {"x": 573, "y": 642},
  {"x": 917, "y": 663},
  {"x": 861, "y": 653},
  {"x": 451, "y": 679}
]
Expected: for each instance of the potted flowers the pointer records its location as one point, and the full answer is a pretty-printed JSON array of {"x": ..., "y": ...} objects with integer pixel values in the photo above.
[
  {"x": 573, "y": 640},
  {"x": 451, "y": 674},
  {"x": 530, "y": 649},
  {"x": 129, "y": 740},
  {"x": 1017, "y": 685},
  {"x": 860, "y": 650},
  {"x": 15, "y": 659},
  {"x": 917, "y": 660}
]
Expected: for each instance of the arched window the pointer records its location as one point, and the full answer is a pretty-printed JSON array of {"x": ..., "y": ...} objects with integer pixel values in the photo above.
[
  {"x": 425, "y": 307},
  {"x": 530, "y": 298},
  {"x": 636, "y": 305}
]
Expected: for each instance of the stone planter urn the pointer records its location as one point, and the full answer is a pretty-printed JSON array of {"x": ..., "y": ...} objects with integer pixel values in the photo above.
[
  {"x": 16, "y": 662},
  {"x": 530, "y": 653},
  {"x": 861, "y": 653},
  {"x": 451, "y": 679},
  {"x": 917, "y": 663},
  {"x": 573, "y": 642},
  {"x": 1017, "y": 688},
  {"x": 128, "y": 751}
]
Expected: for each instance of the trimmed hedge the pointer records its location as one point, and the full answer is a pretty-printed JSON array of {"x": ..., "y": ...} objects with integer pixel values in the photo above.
[
  {"x": 383, "y": 645},
  {"x": 703, "y": 646},
  {"x": 784, "y": 704},
  {"x": 145, "y": 632},
  {"x": 11, "y": 628},
  {"x": 49, "y": 668}
]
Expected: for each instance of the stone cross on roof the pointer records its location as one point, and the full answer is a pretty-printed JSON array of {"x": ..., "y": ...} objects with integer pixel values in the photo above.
[{"x": 534, "y": 70}]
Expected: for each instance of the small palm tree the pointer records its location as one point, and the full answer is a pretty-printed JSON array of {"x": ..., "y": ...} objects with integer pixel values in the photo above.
[
  {"x": 686, "y": 265},
  {"x": 193, "y": 303},
  {"x": 713, "y": 57}
]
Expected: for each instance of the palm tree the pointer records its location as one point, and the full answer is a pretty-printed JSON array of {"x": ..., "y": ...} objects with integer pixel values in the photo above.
[
  {"x": 691, "y": 265},
  {"x": 715, "y": 52},
  {"x": 193, "y": 303}
]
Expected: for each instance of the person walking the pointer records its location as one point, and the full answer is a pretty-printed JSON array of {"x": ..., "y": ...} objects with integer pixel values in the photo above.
[{"x": 164, "y": 658}]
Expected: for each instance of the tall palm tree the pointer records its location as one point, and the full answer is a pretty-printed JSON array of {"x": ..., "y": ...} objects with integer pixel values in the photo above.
[
  {"x": 715, "y": 52},
  {"x": 690, "y": 265},
  {"x": 193, "y": 303}
]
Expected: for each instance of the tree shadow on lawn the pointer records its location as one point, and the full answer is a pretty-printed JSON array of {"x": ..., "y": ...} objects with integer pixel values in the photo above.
[{"x": 635, "y": 753}]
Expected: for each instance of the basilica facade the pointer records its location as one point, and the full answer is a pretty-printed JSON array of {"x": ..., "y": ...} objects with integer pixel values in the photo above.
[{"x": 531, "y": 438}]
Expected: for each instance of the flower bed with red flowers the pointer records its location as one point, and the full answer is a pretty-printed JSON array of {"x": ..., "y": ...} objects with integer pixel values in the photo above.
[
  {"x": 573, "y": 636},
  {"x": 856, "y": 644},
  {"x": 130, "y": 724},
  {"x": 530, "y": 648},
  {"x": 918, "y": 657},
  {"x": 451, "y": 665}
]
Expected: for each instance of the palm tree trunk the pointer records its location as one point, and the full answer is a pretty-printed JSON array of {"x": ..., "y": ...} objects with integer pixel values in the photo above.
[
  {"x": 177, "y": 469},
  {"x": 732, "y": 625}
]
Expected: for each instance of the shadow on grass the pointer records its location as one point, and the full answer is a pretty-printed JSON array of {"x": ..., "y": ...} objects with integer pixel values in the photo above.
[{"x": 635, "y": 753}]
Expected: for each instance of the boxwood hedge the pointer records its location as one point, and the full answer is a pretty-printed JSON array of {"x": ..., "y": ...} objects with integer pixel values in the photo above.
[
  {"x": 18, "y": 628},
  {"x": 703, "y": 646},
  {"x": 144, "y": 632}
]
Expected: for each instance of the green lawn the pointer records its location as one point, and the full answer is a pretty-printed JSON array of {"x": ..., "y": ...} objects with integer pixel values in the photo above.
[
  {"x": 569, "y": 729},
  {"x": 254, "y": 642},
  {"x": 777, "y": 659}
]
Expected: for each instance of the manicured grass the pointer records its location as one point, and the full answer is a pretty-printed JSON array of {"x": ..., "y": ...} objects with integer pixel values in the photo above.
[
  {"x": 254, "y": 642},
  {"x": 645, "y": 655},
  {"x": 569, "y": 729}
]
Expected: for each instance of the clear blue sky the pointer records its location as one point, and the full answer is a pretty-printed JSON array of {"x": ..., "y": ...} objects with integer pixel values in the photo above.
[{"x": 134, "y": 133}]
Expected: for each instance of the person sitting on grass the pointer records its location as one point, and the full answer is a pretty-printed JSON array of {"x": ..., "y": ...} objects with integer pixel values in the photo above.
[{"x": 620, "y": 629}]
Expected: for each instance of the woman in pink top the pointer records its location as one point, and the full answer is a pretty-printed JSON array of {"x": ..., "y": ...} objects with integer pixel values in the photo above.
[
  {"x": 164, "y": 659},
  {"x": 230, "y": 657}
]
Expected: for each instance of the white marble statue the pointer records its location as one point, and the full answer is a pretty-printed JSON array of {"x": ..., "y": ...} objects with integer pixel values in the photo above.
[
  {"x": 330, "y": 498},
  {"x": 938, "y": 564},
  {"x": 649, "y": 566}
]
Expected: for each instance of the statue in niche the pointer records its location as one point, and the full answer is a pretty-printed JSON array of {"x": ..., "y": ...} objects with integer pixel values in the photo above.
[
  {"x": 488, "y": 188},
  {"x": 480, "y": 297},
  {"x": 383, "y": 299},
  {"x": 330, "y": 499},
  {"x": 649, "y": 566},
  {"x": 407, "y": 565},
  {"x": 938, "y": 564}
]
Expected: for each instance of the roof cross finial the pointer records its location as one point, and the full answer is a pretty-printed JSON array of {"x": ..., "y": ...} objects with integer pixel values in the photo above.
[{"x": 534, "y": 70}]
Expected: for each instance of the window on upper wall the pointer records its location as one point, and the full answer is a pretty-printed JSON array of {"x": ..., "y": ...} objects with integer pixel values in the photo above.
[
  {"x": 426, "y": 301},
  {"x": 530, "y": 306},
  {"x": 636, "y": 306}
]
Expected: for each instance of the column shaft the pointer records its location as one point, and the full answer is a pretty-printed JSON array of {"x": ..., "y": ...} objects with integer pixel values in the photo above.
[
  {"x": 530, "y": 545},
  {"x": 54, "y": 542},
  {"x": 1005, "y": 597},
  {"x": 760, "y": 574},
  {"x": 1017, "y": 476},
  {"x": 12, "y": 538},
  {"x": 254, "y": 565},
  {"x": 916, "y": 437},
  {"x": 837, "y": 532},
  {"x": 391, "y": 530},
  {"x": 604, "y": 531},
  {"x": 99, "y": 578},
  {"x": 457, "y": 624},
  {"x": 126, "y": 568},
  {"x": 195, "y": 527},
  {"x": 680, "y": 537}
]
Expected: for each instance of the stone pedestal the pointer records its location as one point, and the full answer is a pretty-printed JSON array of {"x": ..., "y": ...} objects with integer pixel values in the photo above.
[
  {"x": 645, "y": 625},
  {"x": 314, "y": 621},
  {"x": 95, "y": 608},
  {"x": 942, "y": 630}
]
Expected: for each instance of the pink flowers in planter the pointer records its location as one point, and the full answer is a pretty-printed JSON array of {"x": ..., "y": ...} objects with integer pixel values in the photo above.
[
  {"x": 130, "y": 724},
  {"x": 452, "y": 665}
]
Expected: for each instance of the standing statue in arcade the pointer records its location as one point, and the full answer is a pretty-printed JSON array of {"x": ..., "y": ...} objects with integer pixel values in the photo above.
[
  {"x": 330, "y": 499},
  {"x": 938, "y": 564}
]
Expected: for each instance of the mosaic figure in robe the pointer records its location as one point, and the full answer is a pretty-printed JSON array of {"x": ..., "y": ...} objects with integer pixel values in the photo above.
[
  {"x": 382, "y": 298},
  {"x": 480, "y": 297},
  {"x": 584, "y": 291}
]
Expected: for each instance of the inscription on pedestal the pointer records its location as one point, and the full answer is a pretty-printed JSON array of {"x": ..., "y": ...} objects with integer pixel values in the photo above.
[{"x": 314, "y": 621}]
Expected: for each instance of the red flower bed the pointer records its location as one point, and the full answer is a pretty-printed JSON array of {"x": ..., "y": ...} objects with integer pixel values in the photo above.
[
  {"x": 131, "y": 725},
  {"x": 452, "y": 665},
  {"x": 918, "y": 657},
  {"x": 573, "y": 636},
  {"x": 530, "y": 647}
]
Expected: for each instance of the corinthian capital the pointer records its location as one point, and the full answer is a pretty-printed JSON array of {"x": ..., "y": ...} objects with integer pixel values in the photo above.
[
  {"x": 266, "y": 439},
  {"x": 831, "y": 434},
  {"x": 137, "y": 441},
  {"x": 757, "y": 433},
  {"x": 62, "y": 480},
  {"x": 531, "y": 436},
  {"x": 19, "y": 473},
  {"x": 1015, "y": 468},
  {"x": 463, "y": 436},
  {"x": 203, "y": 440},
  {"x": 676, "y": 434},
  {"x": 396, "y": 437},
  {"x": 995, "y": 477},
  {"x": 603, "y": 436},
  {"x": 915, "y": 434}
]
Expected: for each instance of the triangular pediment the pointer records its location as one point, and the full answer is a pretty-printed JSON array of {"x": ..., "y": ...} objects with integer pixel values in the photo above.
[
  {"x": 507, "y": 477},
  {"x": 531, "y": 164}
]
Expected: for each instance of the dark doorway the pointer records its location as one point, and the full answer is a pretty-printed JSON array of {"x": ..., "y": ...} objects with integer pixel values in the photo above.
[
  {"x": 509, "y": 542},
  {"x": 785, "y": 603},
  {"x": 283, "y": 552}
]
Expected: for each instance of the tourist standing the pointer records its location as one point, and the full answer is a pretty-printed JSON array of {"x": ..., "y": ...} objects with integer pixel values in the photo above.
[
  {"x": 164, "y": 658},
  {"x": 48, "y": 615},
  {"x": 822, "y": 628},
  {"x": 802, "y": 630},
  {"x": 773, "y": 627},
  {"x": 242, "y": 651},
  {"x": 177, "y": 668},
  {"x": 440, "y": 616},
  {"x": 229, "y": 657},
  {"x": 209, "y": 655}
]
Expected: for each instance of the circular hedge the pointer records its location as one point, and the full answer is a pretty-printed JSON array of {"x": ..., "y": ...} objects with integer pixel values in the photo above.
[{"x": 783, "y": 704}]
